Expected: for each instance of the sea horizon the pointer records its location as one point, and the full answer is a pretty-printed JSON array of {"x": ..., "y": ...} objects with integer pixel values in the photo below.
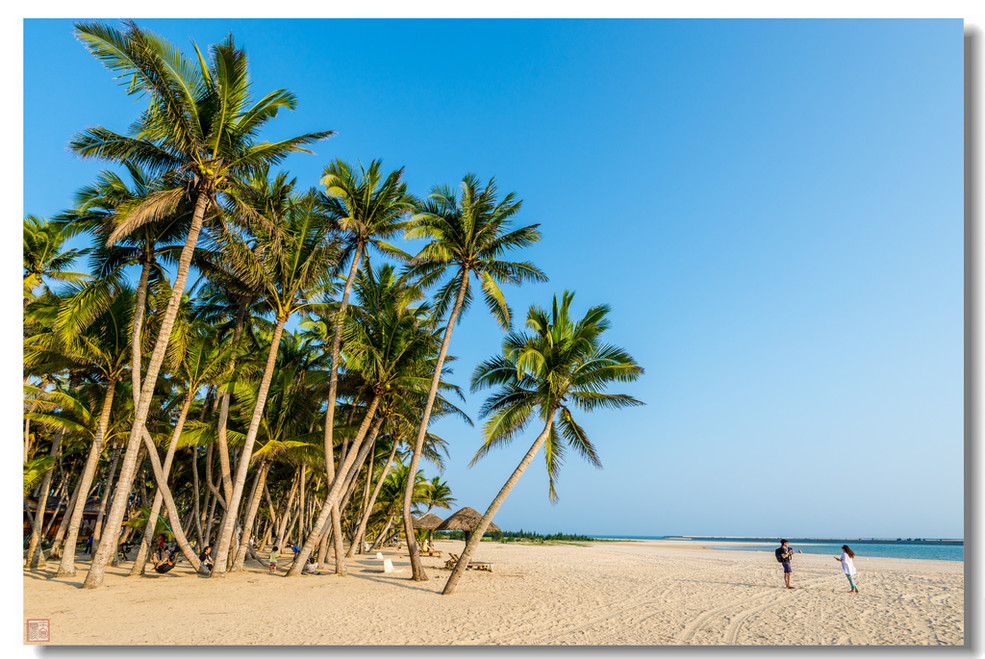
[{"x": 945, "y": 549}]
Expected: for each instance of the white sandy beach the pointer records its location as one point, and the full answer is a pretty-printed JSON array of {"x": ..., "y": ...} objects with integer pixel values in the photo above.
[{"x": 606, "y": 593}]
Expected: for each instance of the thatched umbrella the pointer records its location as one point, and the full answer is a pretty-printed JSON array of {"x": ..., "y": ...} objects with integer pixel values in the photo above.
[
  {"x": 429, "y": 522},
  {"x": 467, "y": 520}
]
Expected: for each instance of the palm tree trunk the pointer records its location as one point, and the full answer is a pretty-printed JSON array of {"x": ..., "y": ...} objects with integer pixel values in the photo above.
[
  {"x": 140, "y": 562},
  {"x": 169, "y": 505},
  {"x": 113, "y": 524},
  {"x": 336, "y": 512},
  {"x": 35, "y": 557},
  {"x": 335, "y": 491},
  {"x": 251, "y": 512},
  {"x": 98, "y": 531},
  {"x": 66, "y": 514},
  {"x": 476, "y": 538},
  {"x": 285, "y": 517},
  {"x": 417, "y": 569},
  {"x": 229, "y": 525},
  {"x": 224, "y": 463},
  {"x": 196, "y": 496},
  {"x": 66, "y": 568},
  {"x": 372, "y": 500}
]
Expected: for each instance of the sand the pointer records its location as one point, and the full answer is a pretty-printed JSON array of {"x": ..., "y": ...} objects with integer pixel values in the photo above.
[{"x": 607, "y": 593}]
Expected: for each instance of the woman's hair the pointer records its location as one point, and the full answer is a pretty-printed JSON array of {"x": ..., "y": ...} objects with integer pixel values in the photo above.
[{"x": 848, "y": 550}]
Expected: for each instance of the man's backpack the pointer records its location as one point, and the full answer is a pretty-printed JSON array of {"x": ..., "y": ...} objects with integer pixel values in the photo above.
[{"x": 779, "y": 555}]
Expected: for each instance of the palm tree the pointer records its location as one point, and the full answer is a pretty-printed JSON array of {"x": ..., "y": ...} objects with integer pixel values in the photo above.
[
  {"x": 385, "y": 349},
  {"x": 561, "y": 364},
  {"x": 44, "y": 258},
  {"x": 203, "y": 362},
  {"x": 369, "y": 209},
  {"x": 468, "y": 236},
  {"x": 292, "y": 260},
  {"x": 200, "y": 129},
  {"x": 103, "y": 347}
]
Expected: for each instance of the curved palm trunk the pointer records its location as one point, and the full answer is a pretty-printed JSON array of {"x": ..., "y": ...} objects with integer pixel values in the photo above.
[
  {"x": 140, "y": 562},
  {"x": 34, "y": 554},
  {"x": 66, "y": 568},
  {"x": 336, "y": 490},
  {"x": 251, "y": 513},
  {"x": 361, "y": 532},
  {"x": 476, "y": 538},
  {"x": 129, "y": 469},
  {"x": 229, "y": 525},
  {"x": 169, "y": 505},
  {"x": 417, "y": 569}
]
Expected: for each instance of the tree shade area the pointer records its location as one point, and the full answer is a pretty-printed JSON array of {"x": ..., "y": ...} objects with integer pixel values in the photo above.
[{"x": 249, "y": 362}]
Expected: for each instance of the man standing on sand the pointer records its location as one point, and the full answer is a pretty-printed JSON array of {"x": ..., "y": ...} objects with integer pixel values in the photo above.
[{"x": 783, "y": 555}]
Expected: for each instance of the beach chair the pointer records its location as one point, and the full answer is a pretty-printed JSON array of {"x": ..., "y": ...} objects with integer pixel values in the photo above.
[{"x": 452, "y": 561}]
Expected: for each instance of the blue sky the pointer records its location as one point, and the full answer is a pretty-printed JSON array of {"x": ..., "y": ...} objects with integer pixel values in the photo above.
[{"x": 773, "y": 210}]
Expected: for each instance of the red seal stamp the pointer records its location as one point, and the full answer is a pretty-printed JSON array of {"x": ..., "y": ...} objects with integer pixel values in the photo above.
[{"x": 37, "y": 631}]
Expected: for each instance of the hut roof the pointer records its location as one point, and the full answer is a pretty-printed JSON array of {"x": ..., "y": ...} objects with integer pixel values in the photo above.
[
  {"x": 466, "y": 519},
  {"x": 428, "y": 522}
]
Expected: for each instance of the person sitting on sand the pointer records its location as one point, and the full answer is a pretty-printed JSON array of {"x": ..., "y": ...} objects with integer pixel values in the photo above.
[
  {"x": 274, "y": 554},
  {"x": 166, "y": 564},
  {"x": 848, "y": 566},
  {"x": 783, "y": 554},
  {"x": 310, "y": 566},
  {"x": 206, "y": 558}
]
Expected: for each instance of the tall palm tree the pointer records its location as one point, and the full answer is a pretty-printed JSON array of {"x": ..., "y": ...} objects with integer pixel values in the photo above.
[
  {"x": 468, "y": 236},
  {"x": 200, "y": 128},
  {"x": 386, "y": 350},
  {"x": 292, "y": 259},
  {"x": 561, "y": 364},
  {"x": 369, "y": 209}
]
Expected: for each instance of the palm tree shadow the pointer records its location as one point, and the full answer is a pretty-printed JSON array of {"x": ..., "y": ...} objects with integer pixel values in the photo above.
[{"x": 399, "y": 583}]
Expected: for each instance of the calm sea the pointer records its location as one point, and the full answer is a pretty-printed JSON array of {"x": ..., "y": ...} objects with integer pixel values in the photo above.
[{"x": 939, "y": 550}]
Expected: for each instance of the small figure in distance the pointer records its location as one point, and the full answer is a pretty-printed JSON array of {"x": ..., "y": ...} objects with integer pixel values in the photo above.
[
  {"x": 783, "y": 554},
  {"x": 273, "y": 559},
  {"x": 206, "y": 558},
  {"x": 848, "y": 566},
  {"x": 164, "y": 565},
  {"x": 310, "y": 566}
]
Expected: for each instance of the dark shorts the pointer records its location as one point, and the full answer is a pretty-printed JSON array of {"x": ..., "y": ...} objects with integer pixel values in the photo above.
[{"x": 786, "y": 567}]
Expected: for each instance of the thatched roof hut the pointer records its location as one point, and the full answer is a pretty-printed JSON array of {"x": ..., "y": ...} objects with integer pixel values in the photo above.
[
  {"x": 429, "y": 522},
  {"x": 467, "y": 520}
]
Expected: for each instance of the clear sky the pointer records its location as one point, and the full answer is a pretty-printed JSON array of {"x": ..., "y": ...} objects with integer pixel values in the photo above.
[{"x": 773, "y": 210}]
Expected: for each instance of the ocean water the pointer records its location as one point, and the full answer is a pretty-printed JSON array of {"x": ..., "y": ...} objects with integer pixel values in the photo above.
[{"x": 939, "y": 550}]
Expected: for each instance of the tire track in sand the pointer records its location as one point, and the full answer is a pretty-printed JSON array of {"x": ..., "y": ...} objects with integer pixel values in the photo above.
[
  {"x": 537, "y": 636},
  {"x": 692, "y": 627}
]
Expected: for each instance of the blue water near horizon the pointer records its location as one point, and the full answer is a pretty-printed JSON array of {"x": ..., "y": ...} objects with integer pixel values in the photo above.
[{"x": 939, "y": 550}]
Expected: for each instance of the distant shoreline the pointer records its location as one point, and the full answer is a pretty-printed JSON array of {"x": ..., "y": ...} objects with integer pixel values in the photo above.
[{"x": 725, "y": 538}]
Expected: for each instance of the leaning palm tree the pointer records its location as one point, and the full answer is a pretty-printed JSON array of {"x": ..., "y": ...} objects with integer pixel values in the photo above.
[
  {"x": 200, "y": 129},
  {"x": 369, "y": 209},
  {"x": 561, "y": 364},
  {"x": 292, "y": 260},
  {"x": 386, "y": 350},
  {"x": 469, "y": 236}
]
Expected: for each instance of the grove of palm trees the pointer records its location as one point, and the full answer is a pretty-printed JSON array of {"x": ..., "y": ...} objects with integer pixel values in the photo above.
[{"x": 241, "y": 360}]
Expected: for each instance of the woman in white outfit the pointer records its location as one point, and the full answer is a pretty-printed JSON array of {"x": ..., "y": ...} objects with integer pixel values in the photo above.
[{"x": 848, "y": 566}]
